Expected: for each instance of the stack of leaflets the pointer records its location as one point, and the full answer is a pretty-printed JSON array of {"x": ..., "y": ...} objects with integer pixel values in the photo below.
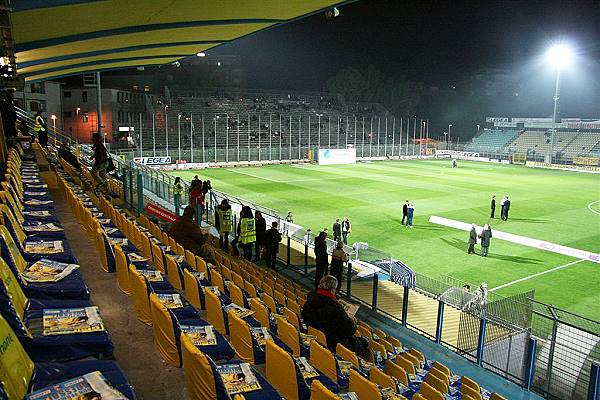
[
  {"x": 42, "y": 213},
  {"x": 238, "y": 378},
  {"x": 119, "y": 241},
  {"x": 36, "y": 202},
  {"x": 214, "y": 289},
  {"x": 110, "y": 231},
  {"x": 38, "y": 186},
  {"x": 28, "y": 193},
  {"x": 200, "y": 335},
  {"x": 261, "y": 335},
  {"x": 47, "y": 271},
  {"x": 170, "y": 300},
  {"x": 351, "y": 309},
  {"x": 348, "y": 396},
  {"x": 365, "y": 365},
  {"x": 198, "y": 275},
  {"x": 72, "y": 320},
  {"x": 178, "y": 259},
  {"x": 49, "y": 227},
  {"x": 239, "y": 311},
  {"x": 306, "y": 338},
  {"x": 49, "y": 247},
  {"x": 135, "y": 257},
  {"x": 151, "y": 275},
  {"x": 345, "y": 367},
  {"x": 89, "y": 386},
  {"x": 307, "y": 370},
  {"x": 104, "y": 221},
  {"x": 389, "y": 393},
  {"x": 276, "y": 317}
]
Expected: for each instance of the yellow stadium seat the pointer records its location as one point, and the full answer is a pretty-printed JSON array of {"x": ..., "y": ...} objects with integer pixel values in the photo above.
[
  {"x": 281, "y": 370},
  {"x": 237, "y": 279},
  {"x": 174, "y": 272},
  {"x": 430, "y": 393},
  {"x": 347, "y": 355},
  {"x": 158, "y": 258},
  {"x": 199, "y": 376},
  {"x": 324, "y": 360},
  {"x": 437, "y": 383},
  {"x": 321, "y": 338},
  {"x": 397, "y": 372},
  {"x": 289, "y": 335},
  {"x": 16, "y": 368},
  {"x": 217, "y": 280},
  {"x": 250, "y": 289},
  {"x": 409, "y": 357},
  {"x": 201, "y": 265},
  {"x": 470, "y": 391},
  {"x": 193, "y": 290},
  {"x": 319, "y": 392},
  {"x": 261, "y": 312},
  {"x": 407, "y": 365},
  {"x": 466, "y": 381},
  {"x": 164, "y": 334},
  {"x": 292, "y": 317},
  {"x": 269, "y": 302},
  {"x": 122, "y": 267},
  {"x": 381, "y": 378},
  {"x": 364, "y": 389},
  {"x": 441, "y": 367},
  {"x": 240, "y": 338},
  {"x": 417, "y": 354},
  {"x": 418, "y": 396},
  {"x": 214, "y": 312},
  {"x": 139, "y": 291},
  {"x": 496, "y": 396},
  {"x": 236, "y": 294},
  {"x": 190, "y": 258}
]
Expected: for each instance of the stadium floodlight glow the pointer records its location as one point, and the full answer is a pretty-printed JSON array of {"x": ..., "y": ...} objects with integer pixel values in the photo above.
[
  {"x": 201, "y": 54},
  {"x": 560, "y": 55}
]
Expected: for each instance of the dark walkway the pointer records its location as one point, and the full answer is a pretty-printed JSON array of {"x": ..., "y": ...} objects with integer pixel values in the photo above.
[{"x": 133, "y": 340}]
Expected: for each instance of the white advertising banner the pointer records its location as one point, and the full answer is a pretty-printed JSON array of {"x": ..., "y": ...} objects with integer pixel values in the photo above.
[
  {"x": 523, "y": 240},
  {"x": 337, "y": 156},
  {"x": 152, "y": 160}
]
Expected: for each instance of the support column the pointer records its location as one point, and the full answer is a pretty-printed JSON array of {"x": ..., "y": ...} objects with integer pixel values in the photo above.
[
  {"x": 530, "y": 363},
  {"x": 440, "y": 322}
]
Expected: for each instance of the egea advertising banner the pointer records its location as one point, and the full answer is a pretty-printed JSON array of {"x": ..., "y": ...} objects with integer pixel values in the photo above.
[
  {"x": 152, "y": 160},
  {"x": 337, "y": 156}
]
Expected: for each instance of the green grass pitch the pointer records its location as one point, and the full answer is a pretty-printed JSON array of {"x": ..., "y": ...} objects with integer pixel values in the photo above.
[{"x": 547, "y": 205}]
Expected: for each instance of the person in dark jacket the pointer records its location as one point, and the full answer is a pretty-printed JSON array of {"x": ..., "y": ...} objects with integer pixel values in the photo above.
[
  {"x": 321, "y": 257},
  {"x": 271, "y": 242},
  {"x": 404, "y": 211},
  {"x": 261, "y": 229},
  {"x": 323, "y": 312},
  {"x": 486, "y": 236},
  {"x": 493, "y": 207},
  {"x": 337, "y": 230},
  {"x": 41, "y": 129},
  {"x": 506, "y": 209},
  {"x": 472, "y": 240},
  {"x": 186, "y": 231},
  {"x": 206, "y": 187},
  {"x": 101, "y": 162},
  {"x": 338, "y": 259}
]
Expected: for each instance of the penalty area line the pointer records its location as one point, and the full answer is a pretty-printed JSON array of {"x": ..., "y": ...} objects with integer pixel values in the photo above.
[
  {"x": 591, "y": 209},
  {"x": 536, "y": 275}
]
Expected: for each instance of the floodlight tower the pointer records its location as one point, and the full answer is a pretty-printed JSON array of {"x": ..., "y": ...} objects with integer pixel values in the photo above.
[{"x": 559, "y": 56}]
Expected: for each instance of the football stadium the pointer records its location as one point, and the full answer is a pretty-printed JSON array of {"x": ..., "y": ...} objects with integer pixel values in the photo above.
[{"x": 257, "y": 200}]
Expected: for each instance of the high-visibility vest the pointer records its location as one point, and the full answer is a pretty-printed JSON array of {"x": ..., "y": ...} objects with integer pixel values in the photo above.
[
  {"x": 39, "y": 124},
  {"x": 248, "y": 230},
  {"x": 178, "y": 189},
  {"x": 224, "y": 219}
]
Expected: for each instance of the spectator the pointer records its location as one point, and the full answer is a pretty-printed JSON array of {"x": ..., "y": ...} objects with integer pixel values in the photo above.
[
  {"x": 100, "y": 157},
  {"x": 224, "y": 224},
  {"x": 486, "y": 236},
  {"x": 40, "y": 129},
  {"x": 206, "y": 187},
  {"x": 323, "y": 312},
  {"x": 271, "y": 243},
  {"x": 261, "y": 229},
  {"x": 346, "y": 229},
  {"x": 404, "y": 211},
  {"x": 196, "y": 196},
  {"x": 506, "y": 208},
  {"x": 195, "y": 181},
  {"x": 289, "y": 218},
  {"x": 337, "y": 230},
  {"x": 472, "y": 240},
  {"x": 338, "y": 259},
  {"x": 177, "y": 192},
  {"x": 493, "y": 207},
  {"x": 186, "y": 231},
  {"x": 247, "y": 232},
  {"x": 410, "y": 211},
  {"x": 321, "y": 256}
]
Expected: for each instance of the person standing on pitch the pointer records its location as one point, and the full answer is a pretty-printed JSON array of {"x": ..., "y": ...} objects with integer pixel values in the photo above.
[
  {"x": 247, "y": 232},
  {"x": 261, "y": 229},
  {"x": 346, "y": 229},
  {"x": 271, "y": 243},
  {"x": 410, "y": 211},
  {"x": 404, "y": 211},
  {"x": 224, "y": 224},
  {"x": 472, "y": 240},
  {"x": 338, "y": 259},
  {"x": 337, "y": 230},
  {"x": 506, "y": 208},
  {"x": 502, "y": 202},
  {"x": 321, "y": 256},
  {"x": 486, "y": 235},
  {"x": 493, "y": 207}
]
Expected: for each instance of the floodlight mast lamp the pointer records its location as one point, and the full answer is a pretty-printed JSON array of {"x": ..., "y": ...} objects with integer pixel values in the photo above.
[{"x": 559, "y": 56}]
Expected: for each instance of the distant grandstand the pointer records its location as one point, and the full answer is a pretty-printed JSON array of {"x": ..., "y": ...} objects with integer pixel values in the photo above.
[{"x": 577, "y": 141}]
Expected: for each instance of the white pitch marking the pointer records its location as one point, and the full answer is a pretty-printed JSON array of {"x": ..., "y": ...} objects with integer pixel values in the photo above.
[
  {"x": 535, "y": 275},
  {"x": 591, "y": 209},
  {"x": 254, "y": 176}
]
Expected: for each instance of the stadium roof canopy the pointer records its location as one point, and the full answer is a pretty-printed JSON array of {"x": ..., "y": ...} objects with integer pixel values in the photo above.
[{"x": 57, "y": 38}]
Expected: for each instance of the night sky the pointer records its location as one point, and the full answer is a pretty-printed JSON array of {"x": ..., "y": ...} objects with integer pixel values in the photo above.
[{"x": 435, "y": 42}]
